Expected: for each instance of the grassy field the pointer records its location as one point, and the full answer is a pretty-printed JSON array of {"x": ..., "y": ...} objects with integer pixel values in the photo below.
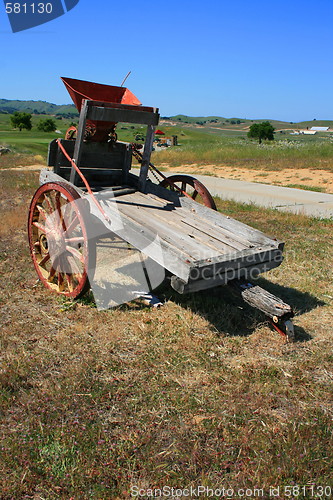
[
  {"x": 199, "y": 392},
  {"x": 240, "y": 151},
  {"x": 200, "y": 146},
  {"x": 32, "y": 141}
]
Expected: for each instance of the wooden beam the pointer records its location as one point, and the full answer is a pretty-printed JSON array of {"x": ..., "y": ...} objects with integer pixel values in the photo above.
[
  {"x": 261, "y": 299},
  {"x": 146, "y": 157},
  {"x": 79, "y": 142},
  {"x": 122, "y": 115},
  {"x": 249, "y": 272}
]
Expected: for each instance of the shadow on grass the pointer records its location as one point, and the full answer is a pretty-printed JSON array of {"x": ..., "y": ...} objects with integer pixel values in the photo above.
[
  {"x": 225, "y": 310},
  {"x": 230, "y": 315}
]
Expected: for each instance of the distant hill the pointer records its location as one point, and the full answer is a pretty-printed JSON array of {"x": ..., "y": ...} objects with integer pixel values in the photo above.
[
  {"x": 242, "y": 123},
  {"x": 70, "y": 111},
  {"x": 38, "y": 108}
]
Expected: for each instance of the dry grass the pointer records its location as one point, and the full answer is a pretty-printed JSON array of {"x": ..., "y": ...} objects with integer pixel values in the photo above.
[
  {"x": 200, "y": 391},
  {"x": 12, "y": 160},
  {"x": 240, "y": 152}
]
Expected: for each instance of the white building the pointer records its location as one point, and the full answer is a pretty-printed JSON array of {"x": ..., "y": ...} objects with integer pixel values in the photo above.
[{"x": 320, "y": 129}]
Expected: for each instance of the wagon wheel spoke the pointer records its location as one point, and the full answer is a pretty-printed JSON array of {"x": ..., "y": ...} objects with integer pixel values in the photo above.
[
  {"x": 50, "y": 205},
  {"x": 75, "y": 222},
  {"x": 44, "y": 260},
  {"x": 41, "y": 227},
  {"x": 76, "y": 239},
  {"x": 69, "y": 279},
  {"x": 42, "y": 211},
  {"x": 195, "y": 194},
  {"x": 73, "y": 265},
  {"x": 76, "y": 253},
  {"x": 183, "y": 188},
  {"x": 59, "y": 211},
  {"x": 61, "y": 282},
  {"x": 52, "y": 274}
]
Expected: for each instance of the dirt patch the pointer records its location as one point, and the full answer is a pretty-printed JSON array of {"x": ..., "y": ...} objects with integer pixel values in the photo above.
[
  {"x": 320, "y": 179},
  {"x": 303, "y": 177}
]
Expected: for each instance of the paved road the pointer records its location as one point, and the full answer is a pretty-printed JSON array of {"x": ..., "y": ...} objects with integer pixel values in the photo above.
[{"x": 297, "y": 201}]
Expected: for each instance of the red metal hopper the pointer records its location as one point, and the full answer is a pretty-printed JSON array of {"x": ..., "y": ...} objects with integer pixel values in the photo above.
[{"x": 80, "y": 89}]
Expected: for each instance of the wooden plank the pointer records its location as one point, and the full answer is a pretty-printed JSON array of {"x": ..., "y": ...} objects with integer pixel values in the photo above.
[
  {"x": 118, "y": 105},
  {"x": 141, "y": 237},
  {"x": 181, "y": 254},
  {"x": 205, "y": 215},
  {"x": 191, "y": 250},
  {"x": 171, "y": 217},
  {"x": 146, "y": 157},
  {"x": 211, "y": 228},
  {"x": 96, "y": 155},
  {"x": 78, "y": 143},
  {"x": 94, "y": 171},
  {"x": 249, "y": 272},
  {"x": 261, "y": 299},
  {"x": 161, "y": 213},
  {"x": 127, "y": 163},
  {"x": 160, "y": 192},
  {"x": 250, "y": 234},
  {"x": 217, "y": 230},
  {"x": 98, "y": 113},
  {"x": 143, "y": 212},
  {"x": 50, "y": 176},
  {"x": 227, "y": 240},
  {"x": 183, "y": 216},
  {"x": 202, "y": 238},
  {"x": 253, "y": 256},
  {"x": 211, "y": 260},
  {"x": 52, "y": 153}
]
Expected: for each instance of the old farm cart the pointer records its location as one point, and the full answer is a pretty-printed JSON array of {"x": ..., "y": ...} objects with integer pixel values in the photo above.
[{"x": 90, "y": 180}]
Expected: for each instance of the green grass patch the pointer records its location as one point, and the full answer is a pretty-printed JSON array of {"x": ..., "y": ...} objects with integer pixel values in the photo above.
[
  {"x": 196, "y": 148},
  {"x": 306, "y": 188},
  {"x": 197, "y": 145}
]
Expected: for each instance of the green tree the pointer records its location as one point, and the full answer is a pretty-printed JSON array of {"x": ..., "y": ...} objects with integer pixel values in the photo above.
[
  {"x": 260, "y": 131},
  {"x": 47, "y": 125},
  {"x": 21, "y": 120}
]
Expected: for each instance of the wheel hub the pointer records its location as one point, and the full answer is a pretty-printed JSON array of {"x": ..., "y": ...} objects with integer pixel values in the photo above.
[
  {"x": 57, "y": 249},
  {"x": 44, "y": 244}
]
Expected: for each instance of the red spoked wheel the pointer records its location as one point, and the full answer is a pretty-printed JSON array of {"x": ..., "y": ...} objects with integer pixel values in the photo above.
[
  {"x": 191, "y": 186},
  {"x": 71, "y": 133},
  {"x": 58, "y": 239}
]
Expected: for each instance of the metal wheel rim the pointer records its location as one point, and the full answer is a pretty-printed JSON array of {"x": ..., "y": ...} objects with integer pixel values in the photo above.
[{"x": 199, "y": 188}]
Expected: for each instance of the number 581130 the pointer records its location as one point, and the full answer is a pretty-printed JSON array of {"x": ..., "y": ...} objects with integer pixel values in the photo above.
[{"x": 27, "y": 8}]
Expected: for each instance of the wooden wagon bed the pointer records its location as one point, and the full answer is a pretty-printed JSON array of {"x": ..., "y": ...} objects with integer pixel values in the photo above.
[{"x": 201, "y": 248}]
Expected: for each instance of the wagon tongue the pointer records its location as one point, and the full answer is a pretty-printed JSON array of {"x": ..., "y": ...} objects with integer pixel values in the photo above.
[{"x": 80, "y": 89}]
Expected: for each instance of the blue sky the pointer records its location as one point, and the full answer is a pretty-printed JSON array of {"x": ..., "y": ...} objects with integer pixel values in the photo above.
[{"x": 241, "y": 58}]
